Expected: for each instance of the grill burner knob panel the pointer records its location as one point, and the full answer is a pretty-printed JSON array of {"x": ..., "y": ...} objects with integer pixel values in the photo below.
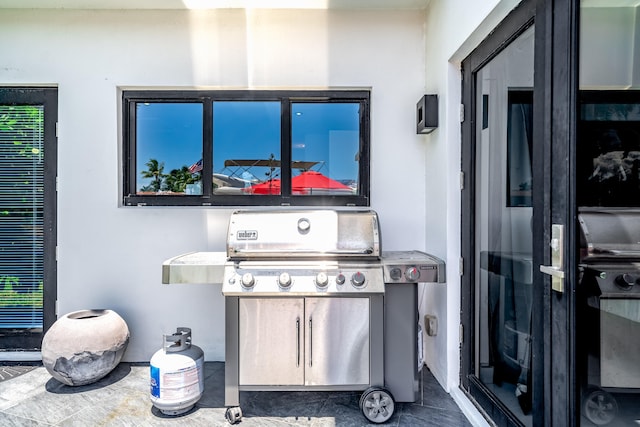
[
  {"x": 284, "y": 280},
  {"x": 412, "y": 274},
  {"x": 625, "y": 281},
  {"x": 322, "y": 280},
  {"x": 248, "y": 280},
  {"x": 358, "y": 279},
  {"x": 301, "y": 279}
]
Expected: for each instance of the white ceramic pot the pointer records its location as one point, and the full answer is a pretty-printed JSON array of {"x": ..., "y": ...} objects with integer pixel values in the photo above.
[{"x": 83, "y": 346}]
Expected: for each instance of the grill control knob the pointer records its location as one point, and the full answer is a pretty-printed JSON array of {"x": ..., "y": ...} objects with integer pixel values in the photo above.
[
  {"x": 304, "y": 225},
  {"x": 395, "y": 273},
  {"x": 248, "y": 280},
  {"x": 322, "y": 280},
  {"x": 625, "y": 281},
  {"x": 412, "y": 274},
  {"x": 357, "y": 279},
  {"x": 340, "y": 279},
  {"x": 284, "y": 280}
]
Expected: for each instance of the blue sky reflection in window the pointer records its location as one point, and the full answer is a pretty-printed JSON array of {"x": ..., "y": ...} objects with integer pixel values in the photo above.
[{"x": 325, "y": 138}]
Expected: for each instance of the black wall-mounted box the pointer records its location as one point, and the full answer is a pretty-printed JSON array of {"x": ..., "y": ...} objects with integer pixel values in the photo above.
[{"x": 427, "y": 114}]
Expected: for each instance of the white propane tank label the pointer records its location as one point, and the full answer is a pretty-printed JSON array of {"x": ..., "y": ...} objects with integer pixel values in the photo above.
[
  {"x": 177, "y": 380},
  {"x": 176, "y": 383}
]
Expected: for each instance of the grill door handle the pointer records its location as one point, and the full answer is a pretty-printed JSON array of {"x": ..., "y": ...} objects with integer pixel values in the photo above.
[
  {"x": 298, "y": 342},
  {"x": 310, "y": 342}
]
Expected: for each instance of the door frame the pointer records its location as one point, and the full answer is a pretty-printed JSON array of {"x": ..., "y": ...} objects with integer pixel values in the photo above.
[
  {"x": 559, "y": 110},
  {"x": 48, "y": 98},
  {"x": 554, "y": 122}
]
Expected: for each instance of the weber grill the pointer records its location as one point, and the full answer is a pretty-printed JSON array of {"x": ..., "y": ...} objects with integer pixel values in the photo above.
[
  {"x": 303, "y": 252},
  {"x": 610, "y": 288},
  {"x": 310, "y": 300}
]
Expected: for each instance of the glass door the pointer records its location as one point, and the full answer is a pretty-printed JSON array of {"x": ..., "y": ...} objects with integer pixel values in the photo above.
[
  {"x": 522, "y": 355},
  {"x": 501, "y": 344},
  {"x": 503, "y": 225},
  {"x": 27, "y": 210},
  {"x": 608, "y": 183}
]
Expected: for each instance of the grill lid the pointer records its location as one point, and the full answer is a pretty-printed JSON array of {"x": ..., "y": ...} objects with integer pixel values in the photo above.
[
  {"x": 610, "y": 234},
  {"x": 303, "y": 234}
]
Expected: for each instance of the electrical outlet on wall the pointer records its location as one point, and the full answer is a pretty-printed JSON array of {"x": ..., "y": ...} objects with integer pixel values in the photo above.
[{"x": 431, "y": 325}]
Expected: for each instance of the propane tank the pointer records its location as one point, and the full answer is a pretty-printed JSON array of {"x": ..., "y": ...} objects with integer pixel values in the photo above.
[{"x": 177, "y": 380}]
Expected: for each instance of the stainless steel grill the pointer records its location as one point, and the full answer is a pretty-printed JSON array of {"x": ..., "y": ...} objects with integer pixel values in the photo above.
[
  {"x": 307, "y": 307},
  {"x": 610, "y": 287},
  {"x": 303, "y": 253}
]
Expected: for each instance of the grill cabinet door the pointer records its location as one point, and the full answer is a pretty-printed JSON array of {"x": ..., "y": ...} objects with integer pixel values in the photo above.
[
  {"x": 271, "y": 336},
  {"x": 337, "y": 341}
]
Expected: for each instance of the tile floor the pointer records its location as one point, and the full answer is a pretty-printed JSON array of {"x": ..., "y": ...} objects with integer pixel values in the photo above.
[{"x": 122, "y": 398}]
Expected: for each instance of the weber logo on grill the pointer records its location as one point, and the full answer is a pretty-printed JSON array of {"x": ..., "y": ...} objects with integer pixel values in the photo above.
[{"x": 247, "y": 235}]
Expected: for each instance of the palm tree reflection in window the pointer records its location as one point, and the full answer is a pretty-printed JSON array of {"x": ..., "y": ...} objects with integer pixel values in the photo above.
[
  {"x": 155, "y": 172},
  {"x": 175, "y": 182}
]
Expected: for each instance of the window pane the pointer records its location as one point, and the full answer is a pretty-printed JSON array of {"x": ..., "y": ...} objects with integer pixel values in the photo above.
[
  {"x": 169, "y": 148},
  {"x": 503, "y": 240},
  {"x": 21, "y": 216},
  {"x": 246, "y": 147},
  {"x": 608, "y": 182},
  {"x": 519, "y": 147},
  {"x": 325, "y": 147}
]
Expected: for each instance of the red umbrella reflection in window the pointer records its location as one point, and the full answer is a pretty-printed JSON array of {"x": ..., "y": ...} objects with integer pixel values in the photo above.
[
  {"x": 271, "y": 186},
  {"x": 309, "y": 182}
]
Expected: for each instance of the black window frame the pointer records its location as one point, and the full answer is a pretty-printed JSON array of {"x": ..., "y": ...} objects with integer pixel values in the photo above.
[{"x": 130, "y": 98}]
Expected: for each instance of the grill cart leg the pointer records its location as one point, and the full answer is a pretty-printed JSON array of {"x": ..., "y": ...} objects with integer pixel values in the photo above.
[
  {"x": 233, "y": 414},
  {"x": 231, "y": 367}
]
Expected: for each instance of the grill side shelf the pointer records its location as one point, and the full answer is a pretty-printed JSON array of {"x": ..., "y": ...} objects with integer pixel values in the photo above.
[{"x": 194, "y": 267}]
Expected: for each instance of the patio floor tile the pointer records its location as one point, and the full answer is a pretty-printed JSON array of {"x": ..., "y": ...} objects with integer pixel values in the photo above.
[{"x": 122, "y": 399}]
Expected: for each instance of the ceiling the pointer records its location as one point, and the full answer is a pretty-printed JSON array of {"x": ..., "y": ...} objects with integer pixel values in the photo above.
[
  {"x": 214, "y": 4},
  {"x": 253, "y": 4}
]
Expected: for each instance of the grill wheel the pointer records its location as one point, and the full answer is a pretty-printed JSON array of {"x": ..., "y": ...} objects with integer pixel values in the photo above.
[
  {"x": 377, "y": 404},
  {"x": 600, "y": 407},
  {"x": 233, "y": 414}
]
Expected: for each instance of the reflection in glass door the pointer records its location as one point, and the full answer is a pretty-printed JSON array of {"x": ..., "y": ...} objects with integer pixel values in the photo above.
[
  {"x": 608, "y": 198},
  {"x": 503, "y": 225}
]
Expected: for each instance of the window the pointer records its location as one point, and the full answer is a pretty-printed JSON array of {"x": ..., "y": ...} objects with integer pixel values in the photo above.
[
  {"x": 519, "y": 147},
  {"x": 259, "y": 148}
]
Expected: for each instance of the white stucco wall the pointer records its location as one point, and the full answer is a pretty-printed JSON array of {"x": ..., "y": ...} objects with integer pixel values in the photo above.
[
  {"x": 453, "y": 29},
  {"x": 110, "y": 256}
]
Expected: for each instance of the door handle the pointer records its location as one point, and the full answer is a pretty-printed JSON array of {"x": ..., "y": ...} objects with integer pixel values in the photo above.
[
  {"x": 556, "y": 269},
  {"x": 552, "y": 271}
]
